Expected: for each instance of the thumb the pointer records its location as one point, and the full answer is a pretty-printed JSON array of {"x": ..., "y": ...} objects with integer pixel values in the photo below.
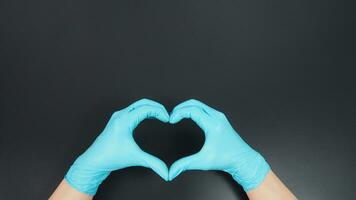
[
  {"x": 187, "y": 163},
  {"x": 156, "y": 164}
]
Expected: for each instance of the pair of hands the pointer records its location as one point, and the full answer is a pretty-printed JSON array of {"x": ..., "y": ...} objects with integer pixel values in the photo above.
[{"x": 116, "y": 149}]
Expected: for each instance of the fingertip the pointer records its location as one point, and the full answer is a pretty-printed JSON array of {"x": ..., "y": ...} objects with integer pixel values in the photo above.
[
  {"x": 171, "y": 177},
  {"x": 174, "y": 172},
  {"x": 166, "y": 115},
  {"x": 162, "y": 171},
  {"x": 163, "y": 117},
  {"x": 176, "y": 169},
  {"x": 174, "y": 119},
  {"x": 157, "y": 165}
]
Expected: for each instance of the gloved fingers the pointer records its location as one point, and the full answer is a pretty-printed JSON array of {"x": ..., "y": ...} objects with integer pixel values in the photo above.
[
  {"x": 143, "y": 112},
  {"x": 156, "y": 164},
  {"x": 200, "y": 117},
  {"x": 192, "y": 162},
  {"x": 193, "y": 102},
  {"x": 143, "y": 102}
]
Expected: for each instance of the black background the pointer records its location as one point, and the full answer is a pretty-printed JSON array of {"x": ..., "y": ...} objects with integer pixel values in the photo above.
[{"x": 282, "y": 72}]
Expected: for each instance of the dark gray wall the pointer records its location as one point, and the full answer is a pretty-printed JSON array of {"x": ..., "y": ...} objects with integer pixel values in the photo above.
[{"x": 282, "y": 71}]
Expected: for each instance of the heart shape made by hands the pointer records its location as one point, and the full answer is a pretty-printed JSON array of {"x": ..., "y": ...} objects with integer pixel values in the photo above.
[{"x": 115, "y": 148}]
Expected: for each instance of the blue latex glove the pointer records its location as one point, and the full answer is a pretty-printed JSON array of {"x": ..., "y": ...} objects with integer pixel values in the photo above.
[
  {"x": 115, "y": 148},
  {"x": 223, "y": 149}
]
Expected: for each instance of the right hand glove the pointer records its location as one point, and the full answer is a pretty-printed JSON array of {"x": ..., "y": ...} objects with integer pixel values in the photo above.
[
  {"x": 115, "y": 148},
  {"x": 223, "y": 149}
]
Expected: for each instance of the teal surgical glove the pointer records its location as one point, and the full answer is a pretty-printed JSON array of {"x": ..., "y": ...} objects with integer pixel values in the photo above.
[
  {"x": 223, "y": 149},
  {"x": 115, "y": 148}
]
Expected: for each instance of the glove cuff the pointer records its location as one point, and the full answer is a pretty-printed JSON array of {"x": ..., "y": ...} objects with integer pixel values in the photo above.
[
  {"x": 252, "y": 172},
  {"x": 85, "y": 180}
]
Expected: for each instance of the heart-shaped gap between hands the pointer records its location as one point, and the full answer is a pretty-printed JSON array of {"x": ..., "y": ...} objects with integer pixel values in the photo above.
[{"x": 169, "y": 142}]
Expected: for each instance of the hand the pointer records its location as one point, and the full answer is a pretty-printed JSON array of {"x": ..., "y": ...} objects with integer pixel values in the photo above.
[
  {"x": 223, "y": 149},
  {"x": 115, "y": 148}
]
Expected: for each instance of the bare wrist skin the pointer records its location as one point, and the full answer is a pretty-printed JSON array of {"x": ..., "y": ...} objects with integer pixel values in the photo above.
[
  {"x": 271, "y": 188},
  {"x": 65, "y": 191}
]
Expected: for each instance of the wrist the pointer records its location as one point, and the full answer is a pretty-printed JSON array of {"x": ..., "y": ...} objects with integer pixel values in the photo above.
[
  {"x": 85, "y": 179},
  {"x": 65, "y": 191},
  {"x": 251, "y": 170},
  {"x": 271, "y": 188}
]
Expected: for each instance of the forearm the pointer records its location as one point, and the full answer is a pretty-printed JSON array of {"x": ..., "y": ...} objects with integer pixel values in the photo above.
[
  {"x": 65, "y": 191},
  {"x": 271, "y": 189}
]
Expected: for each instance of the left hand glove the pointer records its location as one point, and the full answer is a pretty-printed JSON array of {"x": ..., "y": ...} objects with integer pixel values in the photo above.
[{"x": 115, "y": 148}]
